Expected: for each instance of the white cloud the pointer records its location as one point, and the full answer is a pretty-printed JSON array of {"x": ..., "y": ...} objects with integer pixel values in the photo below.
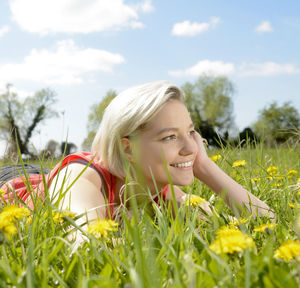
[
  {"x": 206, "y": 67},
  {"x": 4, "y": 30},
  {"x": 264, "y": 27},
  {"x": 66, "y": 64},
  {"x": 77, "y": 16},
  {"x": 188, "y": 29},
  {"x": 268, "y": 69}
]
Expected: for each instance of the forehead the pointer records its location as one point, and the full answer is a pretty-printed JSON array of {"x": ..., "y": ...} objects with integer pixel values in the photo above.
[{"x": 172, "y": 114}]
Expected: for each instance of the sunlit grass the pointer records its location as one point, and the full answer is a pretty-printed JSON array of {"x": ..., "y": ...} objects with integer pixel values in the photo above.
[{"x": 167, "y": 250}]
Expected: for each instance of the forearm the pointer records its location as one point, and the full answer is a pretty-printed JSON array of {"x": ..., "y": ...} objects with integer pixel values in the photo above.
[{"x": 234, "y": 194}]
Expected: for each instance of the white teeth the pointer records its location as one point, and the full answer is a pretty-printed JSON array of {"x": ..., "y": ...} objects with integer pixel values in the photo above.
[{"x": 181, "y": 165}]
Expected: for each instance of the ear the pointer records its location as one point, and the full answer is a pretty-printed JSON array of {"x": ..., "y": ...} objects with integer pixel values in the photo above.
[{"x": 127, "y": 148}]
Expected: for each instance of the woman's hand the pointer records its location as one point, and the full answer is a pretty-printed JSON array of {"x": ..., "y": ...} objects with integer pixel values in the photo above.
[{"x": 201, "y": 159}]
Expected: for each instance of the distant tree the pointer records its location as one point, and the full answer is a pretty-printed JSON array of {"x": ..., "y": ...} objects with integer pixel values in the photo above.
[
  {"x": 277, "y": 124},
  {"x": 210, "y": 104},
  {"x": 67, "y": 148},
  {"x": 19, "y": 119},
  {"x": 95, "y": 117}
]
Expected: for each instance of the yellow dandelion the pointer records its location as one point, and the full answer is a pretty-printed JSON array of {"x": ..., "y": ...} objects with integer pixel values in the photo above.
[
  {"x": 272, "y": 170},
  {"x": 2, "y": 192},
  {"x": 292, "y": 205},
  {"x": 9, "y": 215},
  {"x": 194, "y": 201},
  {"x": 255, "y": 180},
  {"x": 59, "y": 217},
  {"x": 102, "y": 227},
  {"x": 270, "y": 178},
  {"x": 237, "y": 222},
  {"x": 239, "y": 163},
  {"x": 279, "y": 178},
  {"x": 215, "y": 158},
  {"x": 292, "y": 173},
  {"x": 230, "y": 240},
  {"x": 288, "y": 250},
  {"x": 13, "y": 213},
  {"x": 263, "y": 227},
  {"x": 276, "y": 185}
]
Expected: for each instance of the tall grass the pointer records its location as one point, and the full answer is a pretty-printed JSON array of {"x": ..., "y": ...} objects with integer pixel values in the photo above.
[{"x": 162, "y": 249}]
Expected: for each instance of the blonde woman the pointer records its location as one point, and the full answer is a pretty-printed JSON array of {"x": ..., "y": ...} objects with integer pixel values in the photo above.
[{"x": 148, "y": 129}]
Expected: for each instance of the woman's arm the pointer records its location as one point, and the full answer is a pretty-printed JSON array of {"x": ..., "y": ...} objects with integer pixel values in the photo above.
[{"x": 235, "y": 195}]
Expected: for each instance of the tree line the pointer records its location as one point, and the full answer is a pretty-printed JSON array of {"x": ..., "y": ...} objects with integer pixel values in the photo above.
[{"x": 209, "y": 100}]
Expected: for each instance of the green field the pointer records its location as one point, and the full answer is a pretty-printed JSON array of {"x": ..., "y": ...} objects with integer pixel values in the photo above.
[{"x": 165, "y": 251}]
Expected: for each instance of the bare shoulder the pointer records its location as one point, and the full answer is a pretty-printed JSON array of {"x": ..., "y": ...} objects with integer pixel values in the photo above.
[{"x": 78, "y": 172}]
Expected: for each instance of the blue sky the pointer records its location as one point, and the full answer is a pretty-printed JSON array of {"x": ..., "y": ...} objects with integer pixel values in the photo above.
[{"x": 81, "y": 49}]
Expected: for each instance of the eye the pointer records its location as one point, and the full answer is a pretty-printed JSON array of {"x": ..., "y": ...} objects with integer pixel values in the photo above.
[
  {"x": 191, "y": 133},
  {"x": 169, "y": 138}
]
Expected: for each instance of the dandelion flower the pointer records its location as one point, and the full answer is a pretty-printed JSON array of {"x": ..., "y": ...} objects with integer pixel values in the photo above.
[
  {"x": 292, "y": 205},
  {"x": 230, "y": 240},
  {"x": 9, "y": 215},
  {"x": 239, "y": 163},
  {"x": 102, "y": 227},
  {"x": 288, "y": 250},
  {"x": 194, "y": 201},
  {"x": 59, "y": 217},
  {"x": 272, "y": 170},
  {"x": 263, "y": 227},
  {"x": 255, "y": 180},
  {"x": 237, "y": 222},
  {"x": 292, "y": 173},
  {"x": 217, "y": 157},
  {"x": 12, "y": 213}
]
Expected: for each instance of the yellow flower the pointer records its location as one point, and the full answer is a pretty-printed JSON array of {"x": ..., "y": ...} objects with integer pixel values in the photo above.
[
  {"x": 59, "y": 217},
  {"x": 230, "y": 240},
  {"x": 2, "y": 192},
  {"x": 9, "y": 215},
  {"x": 12, "y": 213},
  {"x": 292, "y": 205},
  {"x": 270, "y": 178},
  {"x": 101, "y": 228},
  {"x": 239, "y": 163},
  {"x": 292, "y": 173},
  {"x": 215, "y": 158},
  {"x": 255, "y": 180},
  {"x": 263, "y": 227},
  {"x": 194, "y": 201},
  {"x": 272, "y": 170},
  {"x": 288, "y": 250},
  {"x": 237, "y": 222}
]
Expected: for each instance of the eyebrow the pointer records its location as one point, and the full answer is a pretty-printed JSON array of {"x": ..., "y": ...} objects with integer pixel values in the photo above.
[{"x": 169, "y": 129}]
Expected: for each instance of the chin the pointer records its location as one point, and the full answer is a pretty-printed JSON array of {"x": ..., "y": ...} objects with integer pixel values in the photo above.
[{"x": 184, "y": 181}]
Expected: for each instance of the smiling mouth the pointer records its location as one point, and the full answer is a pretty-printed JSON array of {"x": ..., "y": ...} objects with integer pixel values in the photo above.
[{"x": 183, "y": 165}]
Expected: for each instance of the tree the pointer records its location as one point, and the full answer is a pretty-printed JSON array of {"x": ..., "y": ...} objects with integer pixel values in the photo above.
[
  {"x": 277, "y": 124},
  {"x": 95, "y": 117},
  {"x": 209, "y": 102},
  {"x": 19, "y": 119}
]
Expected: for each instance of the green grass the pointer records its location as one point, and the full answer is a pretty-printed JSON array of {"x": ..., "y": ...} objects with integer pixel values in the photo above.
[{"x": 162, "y": 250}]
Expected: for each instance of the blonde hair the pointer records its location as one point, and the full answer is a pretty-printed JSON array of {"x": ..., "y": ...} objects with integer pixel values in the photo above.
[{"x": 126, "y": 114}]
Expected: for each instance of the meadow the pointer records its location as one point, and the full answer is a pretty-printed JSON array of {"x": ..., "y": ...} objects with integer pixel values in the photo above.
[{"x": 155, "y": 247}]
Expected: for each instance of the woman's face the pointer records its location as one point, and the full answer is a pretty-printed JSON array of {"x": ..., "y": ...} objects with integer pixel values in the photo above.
[{"x": 167, "y": 142}]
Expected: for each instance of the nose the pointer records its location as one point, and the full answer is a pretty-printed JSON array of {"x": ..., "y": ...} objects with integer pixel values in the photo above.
[{"x": 189, "y": 146}]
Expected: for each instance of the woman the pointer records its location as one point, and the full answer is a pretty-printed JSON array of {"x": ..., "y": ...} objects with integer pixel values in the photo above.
[{"x": 148, "y": 130}]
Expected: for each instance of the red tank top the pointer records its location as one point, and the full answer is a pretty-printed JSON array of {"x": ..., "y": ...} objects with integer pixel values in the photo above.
[{"x": 18, "y": 187}]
